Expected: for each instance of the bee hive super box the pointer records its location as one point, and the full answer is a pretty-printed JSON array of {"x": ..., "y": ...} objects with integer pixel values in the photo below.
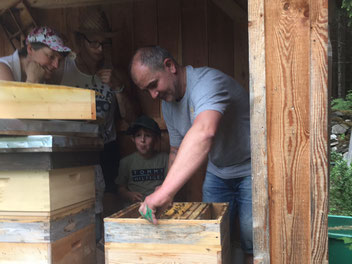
[{"x": 186, "y": 233}]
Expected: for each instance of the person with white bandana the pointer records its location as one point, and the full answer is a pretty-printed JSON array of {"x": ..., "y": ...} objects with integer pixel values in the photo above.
[{"x": 37, "y": 61}]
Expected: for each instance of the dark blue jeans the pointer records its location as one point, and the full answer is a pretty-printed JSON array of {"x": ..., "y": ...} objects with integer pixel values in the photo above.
[{"x": 238, "y": 193}]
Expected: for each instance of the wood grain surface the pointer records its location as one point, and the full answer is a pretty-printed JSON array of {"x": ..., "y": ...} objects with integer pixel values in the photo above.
[
  {"x": 296, "y": 98},
  {"x": 38, "y": 101},
  {"x": 288, "y": 92},
  {"x": 201, "y": 237},
  {"x": 319, "y": 145},
  {"x": 257, "y": 85},
  {"x": 49, "y": 190}
]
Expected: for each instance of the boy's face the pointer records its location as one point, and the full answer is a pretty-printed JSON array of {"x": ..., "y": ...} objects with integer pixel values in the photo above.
[{"x": 145, "y": 141}]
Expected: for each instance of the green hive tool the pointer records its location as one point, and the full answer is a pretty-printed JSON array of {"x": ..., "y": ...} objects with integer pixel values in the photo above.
[{"x": 148, "y": 214}]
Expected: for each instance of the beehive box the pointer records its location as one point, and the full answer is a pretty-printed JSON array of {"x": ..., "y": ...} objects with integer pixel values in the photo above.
[
  {"x": 187, "y": 233},
  {"x": 45, "y": 191},
  {"x": 62, "y": 236},
  {"x": 20, "y": 100},
  {"x": 47, "y": 216}
]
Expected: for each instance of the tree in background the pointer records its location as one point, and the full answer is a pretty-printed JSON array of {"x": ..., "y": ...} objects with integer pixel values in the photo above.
[
  {"x": 347, "y": 5},
  {"x": 340, "y": 35}
]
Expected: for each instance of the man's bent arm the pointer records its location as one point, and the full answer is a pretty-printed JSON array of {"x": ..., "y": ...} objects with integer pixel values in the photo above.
[
  {"x": 192, "y": 153},
  {"x": 172, "y": 156}
]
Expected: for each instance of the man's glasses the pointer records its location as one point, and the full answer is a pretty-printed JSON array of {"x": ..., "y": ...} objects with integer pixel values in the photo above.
[{"x": 95, "y": 44}]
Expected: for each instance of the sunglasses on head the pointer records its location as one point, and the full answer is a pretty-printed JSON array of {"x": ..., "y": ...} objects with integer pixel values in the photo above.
[{"x": 95, "y": 44}]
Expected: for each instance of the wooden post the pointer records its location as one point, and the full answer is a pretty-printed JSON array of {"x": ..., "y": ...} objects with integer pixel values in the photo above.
[
  {"x": 319, "y": 143},
  {"x": 289, "y": 122},
  {"x": 257, "y": 88}
]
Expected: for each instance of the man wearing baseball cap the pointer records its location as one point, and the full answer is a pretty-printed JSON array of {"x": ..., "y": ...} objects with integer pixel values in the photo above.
[{"x": 37, "y": 60}]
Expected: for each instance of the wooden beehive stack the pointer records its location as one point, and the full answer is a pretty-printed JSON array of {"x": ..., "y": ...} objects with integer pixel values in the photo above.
[
  {"x": 186, "y": 233},
  {"x": 47, "y": 187}
]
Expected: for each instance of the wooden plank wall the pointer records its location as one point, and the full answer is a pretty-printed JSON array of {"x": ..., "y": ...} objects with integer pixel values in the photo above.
[
  {"x": 294, "y": 149},
  {"x": 197, "y": 32}
]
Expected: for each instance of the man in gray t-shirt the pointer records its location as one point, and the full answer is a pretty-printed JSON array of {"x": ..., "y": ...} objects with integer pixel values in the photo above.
[{"x": 207, "y": 116}]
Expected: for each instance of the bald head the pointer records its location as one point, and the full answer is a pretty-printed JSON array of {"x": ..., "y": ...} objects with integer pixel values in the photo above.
[
  {"x": 152, "y": 57},
  {"x": 153, "y": 69}
]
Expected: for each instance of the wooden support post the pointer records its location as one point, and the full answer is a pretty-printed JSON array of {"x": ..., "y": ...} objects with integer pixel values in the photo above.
[
  {"x": 289, "y": 88},
  {"x": 258, "y": 132},
  {"x": 319, "y": 136}
]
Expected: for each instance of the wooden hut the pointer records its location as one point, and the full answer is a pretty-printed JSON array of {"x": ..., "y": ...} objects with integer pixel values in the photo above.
[{"x": 276, "y": 49}]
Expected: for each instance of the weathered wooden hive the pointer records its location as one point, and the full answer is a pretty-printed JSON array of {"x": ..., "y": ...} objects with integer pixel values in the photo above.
[
  {"x": 47, "y": 205},
  {"x": 190, "y": 232}
]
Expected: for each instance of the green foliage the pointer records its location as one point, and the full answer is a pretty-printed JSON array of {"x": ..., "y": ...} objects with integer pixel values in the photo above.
[
  {"x": 342, "y": 137},
  {"x": 340, "y": 186},
  {"x": 348, "y": 242},
  {"x": 347, "y": 5},
  {"x": 342, "y": 104}
]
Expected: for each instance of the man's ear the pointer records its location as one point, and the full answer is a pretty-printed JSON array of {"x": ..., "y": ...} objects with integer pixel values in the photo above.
[
  {"x": 170, "y": 65},
  {"x": 29, "y": 49}
]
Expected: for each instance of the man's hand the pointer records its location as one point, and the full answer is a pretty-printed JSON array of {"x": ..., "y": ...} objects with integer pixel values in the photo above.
[
  {"x": 105, "y": 76},
  {"x": 157, "y": 202},
  {"x": 34, "y": 71},
  {"x": 109, "y": 77}
]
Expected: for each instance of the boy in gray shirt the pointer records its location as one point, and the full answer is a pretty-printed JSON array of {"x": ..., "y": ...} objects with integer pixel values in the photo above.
[{"x": 142, "y": 171}]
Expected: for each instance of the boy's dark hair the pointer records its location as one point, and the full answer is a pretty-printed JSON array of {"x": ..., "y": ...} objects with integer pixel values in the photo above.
[{"x": 144, "y": 122}]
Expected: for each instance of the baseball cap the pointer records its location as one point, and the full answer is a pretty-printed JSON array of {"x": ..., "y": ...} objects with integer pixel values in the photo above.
[
  {"x": 47, "y": 36},
  {"x": 144, "y": 122}
]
